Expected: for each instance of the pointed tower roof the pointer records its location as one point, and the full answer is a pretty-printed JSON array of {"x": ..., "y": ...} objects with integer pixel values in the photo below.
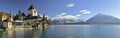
[
  {"x": 31, "y": 7},
  {"x": 11, "y": 15},
  {"x": 43, "y": 17}
]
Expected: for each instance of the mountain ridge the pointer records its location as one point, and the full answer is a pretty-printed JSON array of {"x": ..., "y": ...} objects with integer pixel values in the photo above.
[{"x": 102, "y": 19}]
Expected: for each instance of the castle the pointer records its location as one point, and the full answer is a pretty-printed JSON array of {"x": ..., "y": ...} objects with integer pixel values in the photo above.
[{"x": 32, "y": 19}]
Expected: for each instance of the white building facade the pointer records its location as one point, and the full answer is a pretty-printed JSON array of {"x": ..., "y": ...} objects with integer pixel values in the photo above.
[{"x": 32, "y": 18}]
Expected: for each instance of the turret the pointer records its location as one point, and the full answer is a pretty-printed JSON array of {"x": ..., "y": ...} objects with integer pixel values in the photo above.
[
  {"x": 33, "y": 11},
  {"x": 11, "y": 16}
]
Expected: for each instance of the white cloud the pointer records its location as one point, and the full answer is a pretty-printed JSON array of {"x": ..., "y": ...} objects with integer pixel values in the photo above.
[
  {"x": 70, "y": 17},
  {"x": 70, "y": 5},
  {"x": 63, "y": 13},
  {"x": 41, "y": 15},
  {"x": 78, "y": 15},
  {"x": 64, "y": 16},
  {"x": 60, "y": 15},
  {"x": 46, "y": 16},
  {"x": 85, "y": 11}
]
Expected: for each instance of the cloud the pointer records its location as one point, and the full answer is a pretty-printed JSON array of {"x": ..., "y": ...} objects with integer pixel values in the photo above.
[
  {"x": 78, "y": 15},
  {"x": 63, "y": 13},
  {"x": 41, "y": 15},
  {"x": 64, "y": 16},
  {"x": 70, "y": 17},
  {"x": 85, "y": 11},
  {"x": 46, "y": 16},
  {"x": 60, "y": 15},
  {"x": 70, "y": 5}
]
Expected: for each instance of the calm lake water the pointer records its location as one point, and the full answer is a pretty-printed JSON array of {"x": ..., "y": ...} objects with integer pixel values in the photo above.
[{"x": 66, "y": 31}]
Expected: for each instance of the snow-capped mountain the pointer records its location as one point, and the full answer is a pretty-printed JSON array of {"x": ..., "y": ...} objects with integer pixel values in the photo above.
[
  {"x": 103, "y": 19},
  {"x": 65, "y": 21}
]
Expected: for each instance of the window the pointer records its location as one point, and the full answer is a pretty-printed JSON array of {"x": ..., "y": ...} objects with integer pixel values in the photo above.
[{"x": 34, "y": 11}]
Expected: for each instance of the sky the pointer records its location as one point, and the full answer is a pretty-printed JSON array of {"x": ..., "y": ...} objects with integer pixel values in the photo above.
[{"x": 73, "y": 9}]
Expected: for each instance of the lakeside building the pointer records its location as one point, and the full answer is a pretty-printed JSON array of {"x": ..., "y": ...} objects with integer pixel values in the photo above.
[
  {"x": 3, "y": 16},
  {"x": 32, "y": 19}
]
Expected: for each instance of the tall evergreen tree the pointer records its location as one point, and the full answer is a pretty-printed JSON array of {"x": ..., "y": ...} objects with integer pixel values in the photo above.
[
  {"x": 23, "y": 14},
  {"x": 20, "y": 16}
]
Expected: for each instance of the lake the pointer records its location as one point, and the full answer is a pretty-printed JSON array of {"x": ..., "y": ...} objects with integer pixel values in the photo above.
[{"x": 66, "y": 31}]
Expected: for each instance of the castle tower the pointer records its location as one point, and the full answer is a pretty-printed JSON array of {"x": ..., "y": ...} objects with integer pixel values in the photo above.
[
  {"x": 11, "y": 17},
  {"x": 33, "y": 11}
]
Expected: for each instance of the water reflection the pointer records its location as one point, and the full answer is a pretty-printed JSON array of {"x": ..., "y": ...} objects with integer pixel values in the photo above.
[
  {"x": 65, "y": 31},
  {"x": 21, "y": 33},
  {"x": 42, "y": 35}
]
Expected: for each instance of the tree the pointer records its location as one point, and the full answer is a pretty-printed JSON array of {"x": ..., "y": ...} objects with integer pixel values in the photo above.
[
  {"x": 23, "y": 14},
  {"x": 20, "y": 12},
  {"x": 19, "y": 15},
  {"x": 15, "y": 17}
]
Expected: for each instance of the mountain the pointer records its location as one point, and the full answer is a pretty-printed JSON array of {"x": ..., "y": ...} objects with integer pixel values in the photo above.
[
  {"x": 103, "y": 19},
  {"x": 65, "y": 21}
]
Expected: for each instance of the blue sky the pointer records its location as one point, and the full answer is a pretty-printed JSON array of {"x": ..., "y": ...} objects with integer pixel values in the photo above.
[{"x": 81, "y": 9}]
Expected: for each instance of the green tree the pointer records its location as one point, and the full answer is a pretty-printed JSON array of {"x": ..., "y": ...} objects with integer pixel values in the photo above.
[
  {"x": 23, "y": 14},
  {"x": 20, "y": 16}
]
